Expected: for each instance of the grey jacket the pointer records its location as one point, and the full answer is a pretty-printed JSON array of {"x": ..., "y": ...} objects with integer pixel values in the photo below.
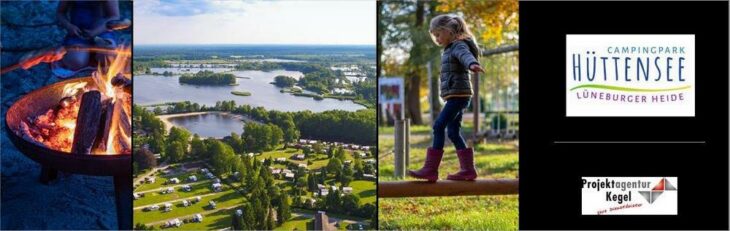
[{"x": 455, "y": 62}]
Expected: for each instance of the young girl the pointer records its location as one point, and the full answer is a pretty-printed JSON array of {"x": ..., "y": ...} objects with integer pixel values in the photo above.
[{"x": 460, "y": 55}]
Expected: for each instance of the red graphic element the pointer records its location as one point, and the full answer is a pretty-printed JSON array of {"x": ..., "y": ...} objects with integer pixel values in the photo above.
[{"x": 660, "y": 186}]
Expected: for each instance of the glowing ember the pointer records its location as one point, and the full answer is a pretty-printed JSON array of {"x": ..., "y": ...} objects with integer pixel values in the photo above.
[{"x": 55, "y": 128}]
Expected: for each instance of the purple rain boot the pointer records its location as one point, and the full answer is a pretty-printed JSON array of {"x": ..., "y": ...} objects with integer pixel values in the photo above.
[
  {"x": 430, "y": 170},
  {"x": 466, "y": 163}
]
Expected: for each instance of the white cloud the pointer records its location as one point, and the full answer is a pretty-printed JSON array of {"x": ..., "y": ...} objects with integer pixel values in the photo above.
[{"x": 260, "y": 22}]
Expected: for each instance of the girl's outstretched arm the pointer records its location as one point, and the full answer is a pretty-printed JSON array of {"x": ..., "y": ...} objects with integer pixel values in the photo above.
[{"x": 466, "y": 58}]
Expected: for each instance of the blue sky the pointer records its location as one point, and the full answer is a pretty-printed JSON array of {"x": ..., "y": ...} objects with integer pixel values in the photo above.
[{"x": 254, "y": 22}]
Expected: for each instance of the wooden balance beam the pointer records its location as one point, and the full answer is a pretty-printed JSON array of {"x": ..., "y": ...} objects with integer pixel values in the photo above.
[{"x": 448, "y": 188}]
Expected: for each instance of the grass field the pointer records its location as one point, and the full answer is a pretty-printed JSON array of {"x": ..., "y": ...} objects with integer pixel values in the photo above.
[
  {"x": 214, "y": 221},
  {"x": 229, "y": 197},
  {"x": 297, "y": 223},
  {"x": 225, "y": 199},
  {"x": 364, "y": 189},
  {"x": 160, "y": 181},
  {"x": 319, "y": 161},
  {"x": 156, "y": 197},
  {"x": 493, "y": 160}
]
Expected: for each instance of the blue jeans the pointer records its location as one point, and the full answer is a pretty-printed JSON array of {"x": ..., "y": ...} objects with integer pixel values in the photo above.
[{"x": 450, "y": 120}]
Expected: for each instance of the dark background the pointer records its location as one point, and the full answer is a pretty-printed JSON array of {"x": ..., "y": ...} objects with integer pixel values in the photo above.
[{"x": 550, "y": 174}]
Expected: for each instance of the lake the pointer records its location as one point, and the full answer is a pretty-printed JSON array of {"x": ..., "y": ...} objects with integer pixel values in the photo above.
[
  {"x": 149, "y": 89},
  {"x": 216, "y": 125}
]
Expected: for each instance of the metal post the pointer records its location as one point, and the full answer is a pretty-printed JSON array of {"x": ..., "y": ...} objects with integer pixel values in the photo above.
[
  {"x": 475, "y": 109},
  {"x": 407, "y": 142},
  {"x": 430, "y": 91},
  {"x": 400, "y": 150}
]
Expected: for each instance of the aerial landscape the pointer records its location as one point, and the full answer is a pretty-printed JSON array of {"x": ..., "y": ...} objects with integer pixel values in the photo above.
[{"x": 303, "y": 135}]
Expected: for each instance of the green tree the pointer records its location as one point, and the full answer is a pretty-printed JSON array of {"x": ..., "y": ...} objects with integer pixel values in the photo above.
[
  {"x": 350, "y": 203},
  {"x": 221, "y": 157},
  {"x": 179, "y": 134},
  {"x": 248, "y": 218},
  {"x": 283, "y": 211},
  {"x": 346, "y": 176},
  {"x": 358, "y": 168},
  {"x": 198, "y": 147},
  {"x": 144, "y": 159},
  {"x": 311, "y": 183},
  {"x": 284, "y": 81},
  {"x": 175, "y": 152},
  {"x": 317, "y": 148},
  {"x": 157, "y": 142},
  {"x": 334, "y": 166},
  {"x": 340, "y": 154}
]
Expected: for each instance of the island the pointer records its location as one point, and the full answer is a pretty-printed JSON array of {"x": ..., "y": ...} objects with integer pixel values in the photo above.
[{"x": 208, "y": 78}]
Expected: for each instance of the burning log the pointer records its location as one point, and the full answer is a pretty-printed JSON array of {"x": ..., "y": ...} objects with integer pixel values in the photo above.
[
  {"x": 87, "y": 123},
  {"x": 116, "y": 126}
]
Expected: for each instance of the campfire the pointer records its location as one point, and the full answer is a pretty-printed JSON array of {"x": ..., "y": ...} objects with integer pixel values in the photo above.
[{"x": 92, "y": 117}]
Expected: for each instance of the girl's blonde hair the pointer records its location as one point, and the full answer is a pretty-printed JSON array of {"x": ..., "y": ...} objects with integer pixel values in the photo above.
[{"x": 454, "y": 24}]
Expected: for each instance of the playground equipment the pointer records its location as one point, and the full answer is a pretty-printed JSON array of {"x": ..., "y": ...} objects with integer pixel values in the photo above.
[
  {"x": 448, "y": 188},
  {"x": 501, "y": 107},
  {"x": 459, "y": 188}
]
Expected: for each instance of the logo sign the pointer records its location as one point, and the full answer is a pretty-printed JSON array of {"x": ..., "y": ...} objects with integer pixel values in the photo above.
[
  {"x": 630, "y": 75},
  {"x": 629, "y": 196},
  {"x": 390, "y": 90}
]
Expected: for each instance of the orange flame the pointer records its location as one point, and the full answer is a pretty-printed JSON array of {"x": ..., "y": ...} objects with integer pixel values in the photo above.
[
  {"x": 117, "y": 140},
  {"x": 56, "y": 127}
]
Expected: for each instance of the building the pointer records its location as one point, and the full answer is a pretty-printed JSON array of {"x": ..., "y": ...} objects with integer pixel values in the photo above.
[
  {"x": 289, "y": 175},
  {"x": 321, "y": 222}
]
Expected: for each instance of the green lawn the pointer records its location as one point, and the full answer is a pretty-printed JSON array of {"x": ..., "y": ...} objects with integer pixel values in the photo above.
[
  {"x": 493, "y": 160},
  {"x": 228, "y": 198},
  {"x": 318, "y": 161},
  {"x": 223, "y": 200},
  {"x": 297, "y": 223},
  {"x": 160, "y": 180},
  {"x": 215, "y": 221},
  {"x": 365, "y": 189},
  {"x": 156, "y": 197}
]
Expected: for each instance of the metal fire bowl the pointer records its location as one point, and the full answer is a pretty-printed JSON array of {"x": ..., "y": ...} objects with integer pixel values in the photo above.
[{"x": 38, "y": 102}]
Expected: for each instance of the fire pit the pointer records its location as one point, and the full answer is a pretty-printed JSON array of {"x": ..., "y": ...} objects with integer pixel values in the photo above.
[{"x": 118, "y": 165}]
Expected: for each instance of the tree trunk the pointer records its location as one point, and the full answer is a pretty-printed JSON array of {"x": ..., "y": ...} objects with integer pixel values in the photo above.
[
  {"x": 413, "y": 104},
  {"x": 435, "y": 100}
]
